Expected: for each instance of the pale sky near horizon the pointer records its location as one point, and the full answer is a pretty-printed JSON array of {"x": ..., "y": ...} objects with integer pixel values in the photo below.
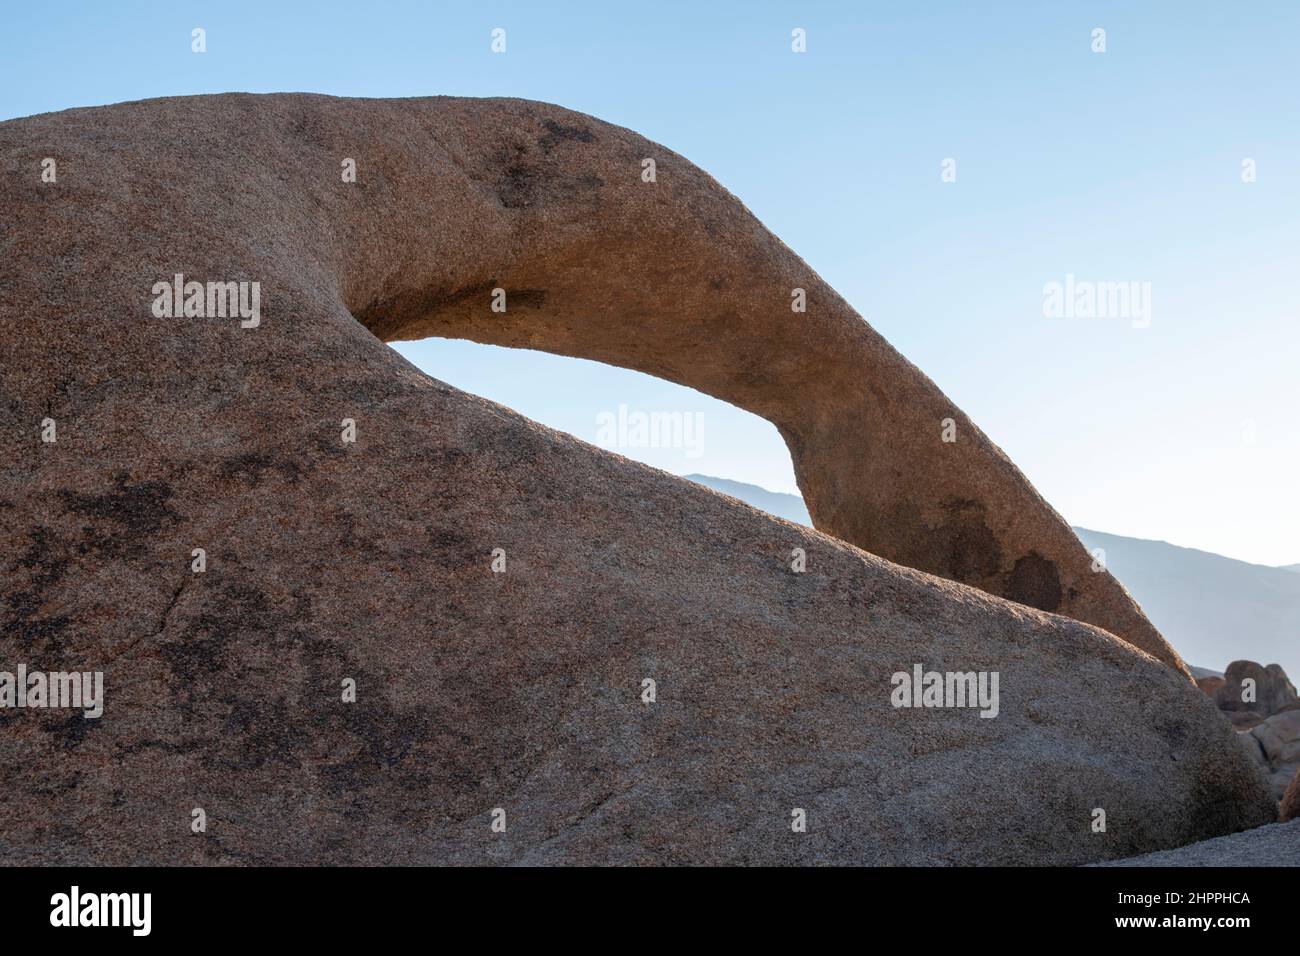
[{"x": 1117, "y": 166}]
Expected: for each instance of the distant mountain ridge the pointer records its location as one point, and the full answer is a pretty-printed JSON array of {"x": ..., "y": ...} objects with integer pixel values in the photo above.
[
  {"x": 789, "y": 507},
  {"x": 1213, "y": 609}
]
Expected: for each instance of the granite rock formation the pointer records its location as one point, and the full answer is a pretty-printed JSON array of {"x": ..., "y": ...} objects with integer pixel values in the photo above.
[
  {"x": 1272, "y": 691},
  {"x": 520, "y": 689},
  {"x": 1279, "y": 740},
  {"x": 454, "y": 198}
]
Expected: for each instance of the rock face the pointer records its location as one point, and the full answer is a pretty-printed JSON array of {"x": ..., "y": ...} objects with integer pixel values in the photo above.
[{"x": 329, "y": 562}]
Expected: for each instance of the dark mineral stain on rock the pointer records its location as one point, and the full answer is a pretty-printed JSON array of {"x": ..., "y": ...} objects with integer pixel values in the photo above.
[
  {"x": 139, "y": 508},
  {"x": 36, "y": 632},
  {"x": 556, "y": 132},
  {"x": 972, "y": 548},
  {"x": 1035, "y": 581},
  {"x": 517, "y": 186},
  {"x": 251, "y": 468},
  {"x": 526, "y": 298},
  {"x": 452, "y": 550}
]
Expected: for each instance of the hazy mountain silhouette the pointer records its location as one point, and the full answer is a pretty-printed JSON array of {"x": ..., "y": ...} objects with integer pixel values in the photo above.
[
  {"x": 1212, "y": 609},
  {"x": 789, "y": 507}
]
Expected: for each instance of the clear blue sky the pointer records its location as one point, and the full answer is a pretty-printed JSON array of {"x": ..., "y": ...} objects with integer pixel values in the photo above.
[{"x": 1111, "y": 167}]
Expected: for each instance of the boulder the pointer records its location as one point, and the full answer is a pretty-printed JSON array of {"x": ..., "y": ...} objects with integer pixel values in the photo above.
[
  {"x": 452, "y": 619},
  {"x": 1273, "y": 690},
  {"x": 1280, "y": 737},
  {"x": 1253, "y": 748},
  {"x": 1290, "y": 809}
]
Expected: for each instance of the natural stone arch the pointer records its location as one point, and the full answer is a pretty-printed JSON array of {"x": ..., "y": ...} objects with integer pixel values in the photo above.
[
  {"x": 368, "y": 562},
  {"x": 455, "y": 197},
  {"x": 676, "y": 278}
]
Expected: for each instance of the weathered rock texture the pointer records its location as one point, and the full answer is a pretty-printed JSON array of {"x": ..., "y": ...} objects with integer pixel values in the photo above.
[
  {"x": 1276, "y": 845},
  {"x": 370, "y": 561}
]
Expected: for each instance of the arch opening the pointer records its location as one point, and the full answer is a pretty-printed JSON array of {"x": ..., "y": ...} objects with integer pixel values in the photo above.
[{"x": 659, "y": 423}]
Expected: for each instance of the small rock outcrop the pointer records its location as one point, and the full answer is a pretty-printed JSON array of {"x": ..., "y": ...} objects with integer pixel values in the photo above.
[
  {"x": 1269, "y": 691},
  {"x": 1261, "y": 704},
  {"x": 1279, "y": 736}
]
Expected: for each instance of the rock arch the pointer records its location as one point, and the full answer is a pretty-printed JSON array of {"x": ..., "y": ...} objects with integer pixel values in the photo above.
[
  {"x": 366, "y": 558},
  {"x": 456, "y": 197},
  {"x": 676, "y": 278}
]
